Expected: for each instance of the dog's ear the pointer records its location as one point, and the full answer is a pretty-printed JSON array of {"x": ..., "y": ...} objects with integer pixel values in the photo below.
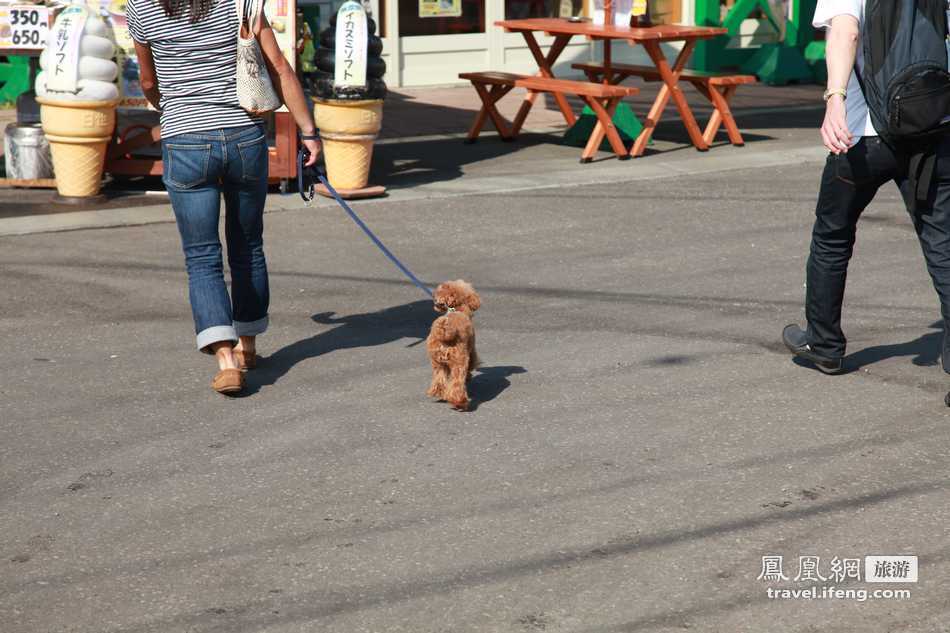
[
  {"x": 438, "y": 298},
  {"x": 474, "y": 302}
]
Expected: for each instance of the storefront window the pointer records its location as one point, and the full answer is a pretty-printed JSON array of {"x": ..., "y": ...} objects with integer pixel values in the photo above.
[
  {"x": 317, "y": 13},
  {"x": 519, "y": 9},
  {"x": 378, "y": 10},
  {"x": 441, "y": 17}
]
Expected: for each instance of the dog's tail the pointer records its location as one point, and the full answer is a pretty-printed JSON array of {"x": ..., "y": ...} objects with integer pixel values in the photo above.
[{"x": 444, "y": 331}]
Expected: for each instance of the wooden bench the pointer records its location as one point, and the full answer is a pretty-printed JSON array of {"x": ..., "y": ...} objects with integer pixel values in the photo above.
[
  {"x": 602, "y": 99},
  {"x": 717, "y": 88}
]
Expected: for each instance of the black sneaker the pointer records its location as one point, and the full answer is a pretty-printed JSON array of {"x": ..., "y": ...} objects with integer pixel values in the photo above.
[{"x": 796, "y": 341}]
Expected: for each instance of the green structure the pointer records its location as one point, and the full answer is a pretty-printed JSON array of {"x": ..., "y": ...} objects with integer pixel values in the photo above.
[
  {"x": 815, "y": 57},
  {"x": 776, "y": 63},
  {"x": 626, "y": 122},
  {"x": 16, "y": 77}
]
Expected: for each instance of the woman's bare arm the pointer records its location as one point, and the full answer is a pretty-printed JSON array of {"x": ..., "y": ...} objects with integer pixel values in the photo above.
[
  {"x": 147, "y": 78},
  {"x": 288, "y": 87}
]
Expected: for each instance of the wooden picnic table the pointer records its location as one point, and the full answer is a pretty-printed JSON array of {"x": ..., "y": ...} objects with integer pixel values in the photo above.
[{"x": 650, "y": 38}]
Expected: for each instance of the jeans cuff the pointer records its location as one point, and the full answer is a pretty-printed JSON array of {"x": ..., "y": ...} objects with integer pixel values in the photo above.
[
  {"x": 251, "y": 328},
  {"x": 215, "y": 334}
]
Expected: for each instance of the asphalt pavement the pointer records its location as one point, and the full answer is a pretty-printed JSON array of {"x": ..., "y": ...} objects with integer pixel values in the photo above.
[{"x": 641, "y": 439}]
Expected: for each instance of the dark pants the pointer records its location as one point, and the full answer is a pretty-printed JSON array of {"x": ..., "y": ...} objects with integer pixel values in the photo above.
[{"x": 848, "y": 185}]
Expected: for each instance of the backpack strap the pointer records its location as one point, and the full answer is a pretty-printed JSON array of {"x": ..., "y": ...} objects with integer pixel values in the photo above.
[{"x": 920, "y": 172}]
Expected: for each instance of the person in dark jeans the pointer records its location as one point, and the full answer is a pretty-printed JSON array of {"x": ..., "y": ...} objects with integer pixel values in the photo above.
[
  {"x": 200, "y": 168},
  {"x": 859, "y": 163},
  {"x": 848, "y": 184},
  {"x": 212, "y": 149}
]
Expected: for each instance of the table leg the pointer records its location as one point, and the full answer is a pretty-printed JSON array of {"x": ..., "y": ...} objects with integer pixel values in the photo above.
[
  {"x": 721, "y": 102},
  {"x": 545, "y": 63},
  {"x": 523, "y": 111},
  {"x": 715, "y": 119},
  {"x": 670, "y": 77},
  {"x": 604, "y": 127},
  {"x": 593, "y": 76},
  {"x": 620, "y": 77},
  {"x": 489, "y": 99},
  {"x": 617, "y": 77},
  {"x": 721, "y": 113}
]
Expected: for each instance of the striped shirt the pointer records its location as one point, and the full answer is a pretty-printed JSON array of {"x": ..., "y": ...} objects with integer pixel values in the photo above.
[{"x": 196, "y": 65}]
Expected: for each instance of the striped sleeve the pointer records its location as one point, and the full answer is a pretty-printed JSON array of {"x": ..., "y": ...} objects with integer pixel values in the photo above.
[
  {"x": 248, "y": 6},
  {"x": 135, "y": 26},
  {"x": 195, "y": 63}
]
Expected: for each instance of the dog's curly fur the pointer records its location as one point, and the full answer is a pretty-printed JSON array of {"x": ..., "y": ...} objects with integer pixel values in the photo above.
[{"x": 451, "y": 342}]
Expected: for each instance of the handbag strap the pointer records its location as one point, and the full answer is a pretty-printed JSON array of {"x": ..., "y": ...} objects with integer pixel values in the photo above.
[{"x": 253, "y": 20}]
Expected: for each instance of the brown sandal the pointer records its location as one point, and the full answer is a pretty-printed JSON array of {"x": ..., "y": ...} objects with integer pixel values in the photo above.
[
  {"x": 243, "y": 360},
  {"x": 228, "y": 381}
]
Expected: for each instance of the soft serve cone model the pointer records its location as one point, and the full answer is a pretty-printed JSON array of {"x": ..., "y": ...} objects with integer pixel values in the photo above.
[
  {"x": 348, "y": 130},
  {"x": 78, "y": 97},
  {"x": 349, "y": 99}
]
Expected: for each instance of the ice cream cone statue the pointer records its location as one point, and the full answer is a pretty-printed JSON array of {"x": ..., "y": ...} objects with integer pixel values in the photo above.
[
  {"x": 78, "y": 97},
  {"x": 348, "y": 130},
  {"x": 349, "y": 93}
]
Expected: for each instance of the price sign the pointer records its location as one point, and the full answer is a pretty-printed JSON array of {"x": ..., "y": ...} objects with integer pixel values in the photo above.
[{"x": 24, "y": 26}]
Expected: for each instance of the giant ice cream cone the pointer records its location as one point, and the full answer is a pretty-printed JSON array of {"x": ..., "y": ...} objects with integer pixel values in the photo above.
[
  {"x": 78, "y": 133},
  {"x": 348, "y": 129},
  {"x": 349, "y": 99},
  {"x": 78, "y": 98}
]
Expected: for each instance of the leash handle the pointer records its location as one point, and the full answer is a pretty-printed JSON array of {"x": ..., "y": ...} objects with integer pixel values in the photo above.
[{"x": 306, "y": 189}]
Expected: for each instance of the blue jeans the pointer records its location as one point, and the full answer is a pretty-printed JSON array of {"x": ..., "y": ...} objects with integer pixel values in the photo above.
[{"x": 198, "y": 169}]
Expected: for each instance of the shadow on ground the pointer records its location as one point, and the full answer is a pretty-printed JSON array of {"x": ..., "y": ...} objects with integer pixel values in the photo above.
[
  {"x": 118, "y": 195},
  {"x": 489, "y": 382},
  {"x": 308, "y": 607},
  {"x": 924, "y": 349},
  {"x": 412, "y": 163},
  {"x": 410, "y": 320},
  {"x": 407, "y": 321}
]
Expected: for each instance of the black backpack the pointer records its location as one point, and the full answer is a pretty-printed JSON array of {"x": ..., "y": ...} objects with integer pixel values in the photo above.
[{"x": 905, "y": 79}]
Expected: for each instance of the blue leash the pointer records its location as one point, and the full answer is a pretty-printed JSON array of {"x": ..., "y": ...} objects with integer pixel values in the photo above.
[{"x": 307, "y": 194}]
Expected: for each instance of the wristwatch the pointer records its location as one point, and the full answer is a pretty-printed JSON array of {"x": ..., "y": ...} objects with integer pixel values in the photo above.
[{"x": 835, "y": 91}]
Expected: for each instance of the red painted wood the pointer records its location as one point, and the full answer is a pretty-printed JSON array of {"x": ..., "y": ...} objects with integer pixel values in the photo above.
[
  {"x": 659, "y": 33},
  {"x": 650, "y": 73}
]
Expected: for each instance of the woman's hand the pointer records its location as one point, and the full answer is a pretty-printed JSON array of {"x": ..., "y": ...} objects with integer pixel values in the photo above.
[{"x": 314, "y": 147}]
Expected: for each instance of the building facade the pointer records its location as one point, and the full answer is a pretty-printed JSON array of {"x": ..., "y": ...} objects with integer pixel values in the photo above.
[{"x": 429, "y": 42}]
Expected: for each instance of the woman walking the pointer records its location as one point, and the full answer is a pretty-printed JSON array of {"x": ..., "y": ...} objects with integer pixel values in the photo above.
[{"x": 212, "y": 148}]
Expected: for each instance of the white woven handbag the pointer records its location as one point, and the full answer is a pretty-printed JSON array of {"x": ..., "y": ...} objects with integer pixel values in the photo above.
[{"x": 255, "y": 91}]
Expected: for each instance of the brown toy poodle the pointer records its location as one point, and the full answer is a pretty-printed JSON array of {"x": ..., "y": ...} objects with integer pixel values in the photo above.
[{"x": 451, "y": 342}]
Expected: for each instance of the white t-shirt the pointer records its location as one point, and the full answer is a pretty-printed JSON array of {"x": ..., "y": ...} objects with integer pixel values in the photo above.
[{"x": 859, "y": 121}]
